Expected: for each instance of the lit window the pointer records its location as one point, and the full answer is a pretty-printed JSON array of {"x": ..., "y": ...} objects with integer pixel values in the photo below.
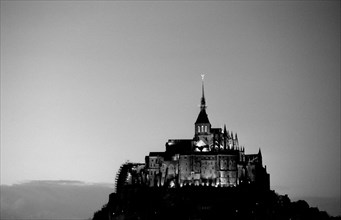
[
  {"x": 202, "y": 128},
  {"x": 198, "y": 128}
]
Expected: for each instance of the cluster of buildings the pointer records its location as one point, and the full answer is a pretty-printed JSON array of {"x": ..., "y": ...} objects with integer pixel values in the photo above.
[{"x": 212, "y": 158}]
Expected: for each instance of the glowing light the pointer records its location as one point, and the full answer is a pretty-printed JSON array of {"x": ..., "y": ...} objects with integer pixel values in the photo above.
[
  {"x": 200, "y": 143},
  {"x": 202, "y": 77}
]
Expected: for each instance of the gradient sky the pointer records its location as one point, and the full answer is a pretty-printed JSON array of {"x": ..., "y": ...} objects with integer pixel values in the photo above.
[{"x": 86, "y": 85}]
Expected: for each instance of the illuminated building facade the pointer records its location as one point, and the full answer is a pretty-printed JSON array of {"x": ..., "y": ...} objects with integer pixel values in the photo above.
[{"x": 212, "y": 158}]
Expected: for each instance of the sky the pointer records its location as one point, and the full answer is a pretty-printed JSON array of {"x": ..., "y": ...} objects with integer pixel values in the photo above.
[{"x": 86, "y": 86}]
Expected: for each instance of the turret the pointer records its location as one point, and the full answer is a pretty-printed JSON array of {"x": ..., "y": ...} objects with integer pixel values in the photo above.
[
  {"x": 225, "y": 137},
  {"x": 230, "y": 140},
  {"x": 235, "y": 142},
  {"x": 260, "y": 157}
]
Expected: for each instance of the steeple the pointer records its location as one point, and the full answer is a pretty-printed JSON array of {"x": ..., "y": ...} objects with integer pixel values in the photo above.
[
  {"x": 203, "y": 101},
  {"x": 202, "y": 124},
  {"x": 225, "y": 131}
]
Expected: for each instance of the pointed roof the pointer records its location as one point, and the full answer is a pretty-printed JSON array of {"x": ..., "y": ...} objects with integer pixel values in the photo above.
[
  {"x": 259, "y": 152},
  {"x": 202, "y": 118}
]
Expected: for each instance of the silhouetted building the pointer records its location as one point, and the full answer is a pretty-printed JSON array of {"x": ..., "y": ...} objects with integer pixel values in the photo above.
[
  {"x": 206, "y": 177},
  {"x": 212, "y": 158}
]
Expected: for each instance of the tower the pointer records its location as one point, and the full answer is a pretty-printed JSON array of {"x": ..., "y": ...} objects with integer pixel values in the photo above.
[{"x": 202, "y": 124}]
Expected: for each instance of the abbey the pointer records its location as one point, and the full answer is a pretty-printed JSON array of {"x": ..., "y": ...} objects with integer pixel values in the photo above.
[
  {"x": 213, "y": 157},
  {"x": 206, "y": 177}
]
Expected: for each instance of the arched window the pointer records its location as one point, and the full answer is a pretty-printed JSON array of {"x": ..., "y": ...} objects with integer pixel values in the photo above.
[
  {"x": 198, "y": 128},
  {"x": 205, "y": 128},
  {"x": 202, "y": 128}
]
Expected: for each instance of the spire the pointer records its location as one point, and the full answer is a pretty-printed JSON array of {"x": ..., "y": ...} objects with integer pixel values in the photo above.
[
  {"x": 260, "y": 160},
  {"x": 203, "y": 102},
  {"x": 259, "y": 152},
  {"x": 225, "y": 137},
  {"x": 202, "y": 117}
]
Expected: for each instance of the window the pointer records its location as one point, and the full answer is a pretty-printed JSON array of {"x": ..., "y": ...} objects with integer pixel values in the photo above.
[
  {"x": 205, "y": 128},
  {"x": 202, "y": 128},
  {"x": 198, "y": 128}
]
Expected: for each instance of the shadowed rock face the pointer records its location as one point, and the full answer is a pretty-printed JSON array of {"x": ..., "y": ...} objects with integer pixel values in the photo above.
[{"x": 204, "y": 203}]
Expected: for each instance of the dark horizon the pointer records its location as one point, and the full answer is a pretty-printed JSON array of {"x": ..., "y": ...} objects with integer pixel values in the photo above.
[{"x": 74, "y": 193}]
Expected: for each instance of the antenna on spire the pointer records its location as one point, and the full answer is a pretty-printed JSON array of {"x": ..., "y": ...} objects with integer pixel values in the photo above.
[{"x": 203, "y": 102}]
